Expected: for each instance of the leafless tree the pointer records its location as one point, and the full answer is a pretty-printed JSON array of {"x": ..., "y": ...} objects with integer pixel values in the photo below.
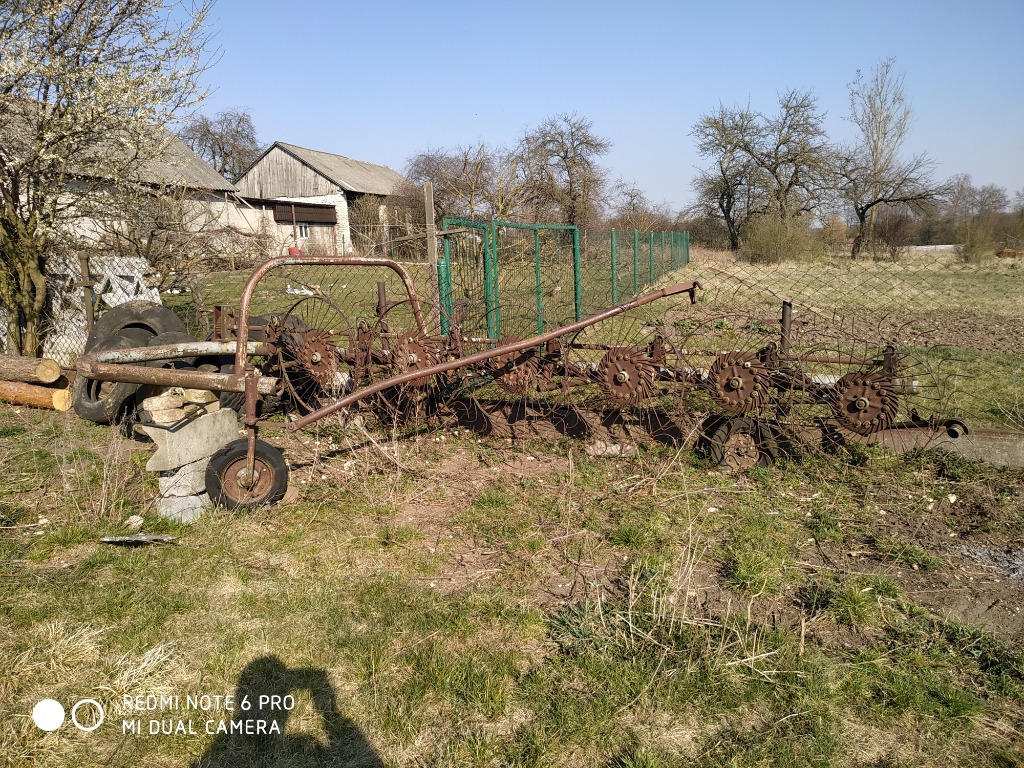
[
  {"x": 762, "y": 164},
  {"x": 730, "y": 188},
  {"x": 633, "y": 210},
  {"x": 227, "y": 141},
  {"x": 81, "y": 87},
  {"x": 870, "y": 172},
  {"x": 562, "y": 160},
  {"x": 474, "y": 181}
]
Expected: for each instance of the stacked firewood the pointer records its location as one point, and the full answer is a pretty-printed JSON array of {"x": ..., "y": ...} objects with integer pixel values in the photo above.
[{"x": 34, "y": 381}]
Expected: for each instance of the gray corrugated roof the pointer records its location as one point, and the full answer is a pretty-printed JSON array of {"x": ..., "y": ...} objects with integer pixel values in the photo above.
[
  {"x": 350, "y": 175},
  {"x": 181, "y": 167}
]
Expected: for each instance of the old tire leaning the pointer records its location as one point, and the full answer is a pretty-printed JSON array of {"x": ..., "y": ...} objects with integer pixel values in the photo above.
[
  {"x": 226, "y": 476},
  {"x": 233, "y": 400},
  {"x": 154, "y": 319},
  {"x": 740, "y": 442},
  {"x": 133, "y": 324},
  {"x": 105, "y": 402}
]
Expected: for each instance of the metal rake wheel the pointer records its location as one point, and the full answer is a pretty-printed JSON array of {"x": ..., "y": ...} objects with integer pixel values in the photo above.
[
  {"x": 311, "y": 340},
  {"x": 738, "y": 382},
  {"x": 626, "y": 375},
  {"x": 865, "y": 402},
  {"x": 517, "y": 373}
]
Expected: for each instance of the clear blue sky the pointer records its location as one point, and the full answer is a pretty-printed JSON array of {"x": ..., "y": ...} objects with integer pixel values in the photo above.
[{"x": 382, "y": 81}]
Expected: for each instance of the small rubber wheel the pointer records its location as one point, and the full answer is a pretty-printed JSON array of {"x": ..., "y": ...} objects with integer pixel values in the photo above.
[
  {"x": 226, "y": 476},
  {"x": 740, "y": 442}
]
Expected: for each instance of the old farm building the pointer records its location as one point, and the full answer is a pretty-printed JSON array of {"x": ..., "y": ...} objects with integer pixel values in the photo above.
[{"x": 305, "y": 184}]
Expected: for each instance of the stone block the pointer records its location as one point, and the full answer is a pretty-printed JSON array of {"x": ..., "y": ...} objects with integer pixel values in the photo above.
[
  {"x": 162, "y": 403},
  {"x": 169, "y": 416},
  {"x": 199, "y": 396},
  {"x": 601, "y": 449},
  {"x": 183, "y": 509},
  {"x": 192, "y": 440},
  {"x": 189, "y": 480}
]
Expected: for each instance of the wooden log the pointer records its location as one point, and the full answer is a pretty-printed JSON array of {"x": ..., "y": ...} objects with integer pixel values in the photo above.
[
  {"x": 32, "y": 370},
  {"x": 19, "y": 393}
]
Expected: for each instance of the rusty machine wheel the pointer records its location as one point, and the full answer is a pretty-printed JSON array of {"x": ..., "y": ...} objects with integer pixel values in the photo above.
[
  {"x": 865, "y": 402},
  {"x": 230, "y": 483},
  {"x": 517, "y": 373},
  {"x": 412, "y": 351},
  {"x": 626, "y": 375},
  {"x": 738, "y": 382},
  {"x": 310, "y": 339}
]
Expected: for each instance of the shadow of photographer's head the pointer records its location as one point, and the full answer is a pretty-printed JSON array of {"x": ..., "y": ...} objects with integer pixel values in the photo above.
[{"x": 268, "y": 694}]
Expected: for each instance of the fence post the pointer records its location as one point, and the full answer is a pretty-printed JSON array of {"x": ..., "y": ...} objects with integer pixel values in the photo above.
[
  {"x": 444, "y": 285},
  {"x": 650, "y": 259},
  {"x": 491, "y": 283},
  {"x": 636, "y": 262},
  {"x": 435, "y": 289},
  {"x": 664, "y": 264},
  {"x": 615, "y": 274},
  {"x": 686, "y": 247},
  {"x": 577, "y": 273},
  {"x": 536, "y": 273}
]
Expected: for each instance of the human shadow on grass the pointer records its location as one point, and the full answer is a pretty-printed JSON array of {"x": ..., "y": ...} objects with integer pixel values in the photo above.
[{"x": 260, "y": 738}]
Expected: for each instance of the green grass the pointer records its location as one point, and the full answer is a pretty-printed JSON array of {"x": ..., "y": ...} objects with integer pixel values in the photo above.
[{"x": 468, "y": 606}]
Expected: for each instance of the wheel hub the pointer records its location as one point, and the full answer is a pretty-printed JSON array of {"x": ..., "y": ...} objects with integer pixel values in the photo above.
[
  {"x": 413, "y": 352},
  {"x": 626, "y": 375},
  {"x": 316, "y": 353},
  {"x": 738, "y": 382},
  {"x": 514, "y": 372}
]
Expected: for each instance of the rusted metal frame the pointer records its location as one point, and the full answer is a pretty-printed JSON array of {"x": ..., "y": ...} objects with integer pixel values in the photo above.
[
  {"x": 836, "y": 360},
  {"x": 786, "y": 327},
  {"x": 479, "y": 357},
  {"x": 292, "y": 261},
  {"x": 120, "y": 365}
]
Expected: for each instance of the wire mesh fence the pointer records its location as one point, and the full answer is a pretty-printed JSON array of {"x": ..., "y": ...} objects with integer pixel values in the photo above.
[
  {"x": 958, "y": 327},
  {"x": 505, "y": 279},
  {"x": 948, "y": 334}
]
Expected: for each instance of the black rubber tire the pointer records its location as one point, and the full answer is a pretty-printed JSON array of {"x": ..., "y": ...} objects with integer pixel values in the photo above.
[
  {"x": 233, "y": 400},
  {"x": 125, "y": 326},
  {"x": 225, "y": 466},
  {"x": 104, "y": 402},
  {"x": 154, "y": 318},
  {"x": 718, "y": 432},
  {"x": 173, "y": 337}
]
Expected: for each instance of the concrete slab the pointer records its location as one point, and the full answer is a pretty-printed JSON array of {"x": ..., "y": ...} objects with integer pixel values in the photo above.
[
  {"x": 183, "y": 509},
  {"x": 189, "y": 480},
  {"x": 1000, "y": 447},
  {"x": 191, "y": 440}
]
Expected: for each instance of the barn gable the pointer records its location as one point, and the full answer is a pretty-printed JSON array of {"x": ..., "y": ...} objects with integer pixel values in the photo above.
[{"x": 285, "y": 170}]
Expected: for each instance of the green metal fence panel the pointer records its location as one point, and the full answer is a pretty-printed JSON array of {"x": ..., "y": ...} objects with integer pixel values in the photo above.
[{"x": 500, "y": 279}]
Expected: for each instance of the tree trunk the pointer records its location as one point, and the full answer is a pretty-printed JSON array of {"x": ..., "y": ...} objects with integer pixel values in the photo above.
[{"x": 858, "y": 240}]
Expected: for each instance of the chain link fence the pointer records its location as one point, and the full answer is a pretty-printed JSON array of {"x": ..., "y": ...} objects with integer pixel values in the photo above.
[{"x": 959, "y": 327}]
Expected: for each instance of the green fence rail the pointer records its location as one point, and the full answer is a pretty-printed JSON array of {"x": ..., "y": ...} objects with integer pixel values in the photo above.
[{"x": 504, "y": 279}]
